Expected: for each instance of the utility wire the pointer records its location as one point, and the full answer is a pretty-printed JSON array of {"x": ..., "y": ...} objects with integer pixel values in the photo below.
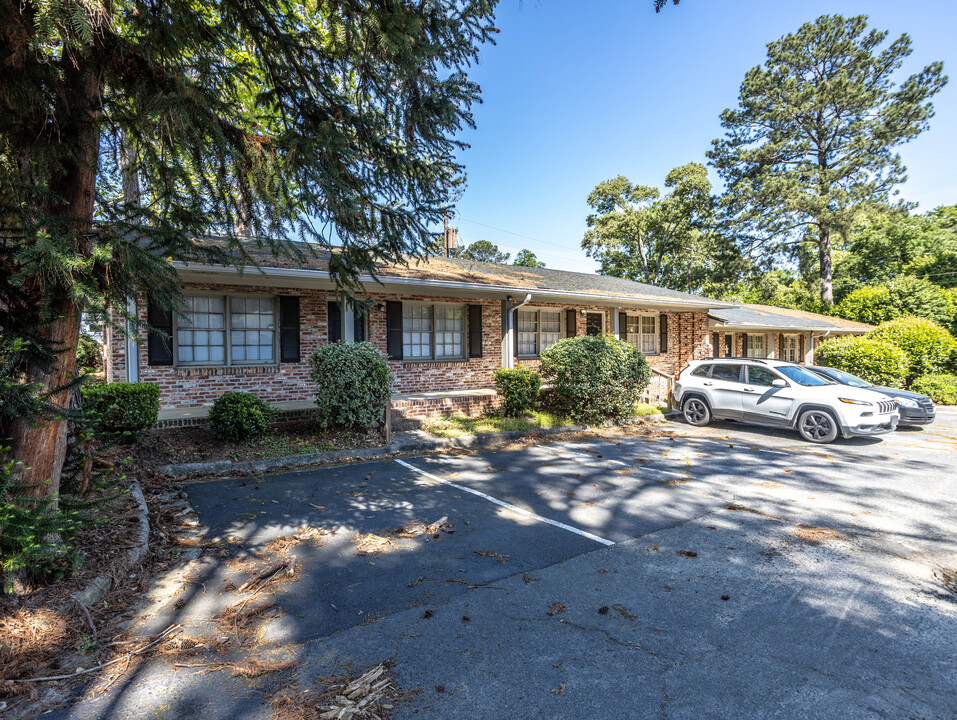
[{"x": 509, "y": 232}]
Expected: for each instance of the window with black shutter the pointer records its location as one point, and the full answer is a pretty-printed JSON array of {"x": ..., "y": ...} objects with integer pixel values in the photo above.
[
  {"x": 289, "y": 329},
  {"x": 594, "y": 324},
  {"x": 663, "y": 333},
  {"x": 475, "y": 331},
  {"x": 393, "y": 329},
  {"x": 159, "y": 341},
  {"x": 334, "y": 321}
]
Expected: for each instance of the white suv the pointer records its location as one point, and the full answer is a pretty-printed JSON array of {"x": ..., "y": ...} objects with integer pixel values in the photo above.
[{"x": 774, "y": 392}]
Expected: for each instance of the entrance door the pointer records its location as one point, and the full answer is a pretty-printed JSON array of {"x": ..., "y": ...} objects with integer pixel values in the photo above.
[{"x": 594, "y": 324}]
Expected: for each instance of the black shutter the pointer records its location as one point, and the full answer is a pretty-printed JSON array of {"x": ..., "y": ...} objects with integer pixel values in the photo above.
[
  {"x": 289, "y": 329},
  {"x": 801, "y": 350},
  {"x": 159, "y": 346},
  {"x": 393, "y": 330},
  {"x": 715, "y": 341},
  {"x": 663, "y": 333},
  {"x": 744, "y": 344},
  {"x": 334, "y": 321},
  {"x": 571, "y": 323},
  {"x": 359, "y": 327},
  {"x": 475, "y": 331},
  {"x": 622, "y": 326}
]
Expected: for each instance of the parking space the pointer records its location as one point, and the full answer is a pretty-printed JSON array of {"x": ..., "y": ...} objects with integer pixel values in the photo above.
[{"x": 724, "y": 571}]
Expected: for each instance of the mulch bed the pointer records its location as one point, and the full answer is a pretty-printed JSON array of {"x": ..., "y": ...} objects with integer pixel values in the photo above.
[{"x": 161, "y": 446}]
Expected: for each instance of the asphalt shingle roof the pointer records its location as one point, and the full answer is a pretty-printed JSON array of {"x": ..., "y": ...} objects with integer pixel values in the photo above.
[
  {"x": 440, "y": 269},
  {"x": 773, "y": 318}
]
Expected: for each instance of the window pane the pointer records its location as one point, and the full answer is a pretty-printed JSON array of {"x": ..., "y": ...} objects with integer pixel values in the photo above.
[
  {"x": 193, "y": 342},
  {"x": 756, "y": 346},
  {"x": 417, "y": 331},
  {"x": 253, "y": 334},
  {"x": 760, "y": 376},
  {"x": 726, "y": 372}
]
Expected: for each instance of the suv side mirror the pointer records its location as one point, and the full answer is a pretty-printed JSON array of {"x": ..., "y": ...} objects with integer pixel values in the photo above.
[{"x": 778, "y": 382}]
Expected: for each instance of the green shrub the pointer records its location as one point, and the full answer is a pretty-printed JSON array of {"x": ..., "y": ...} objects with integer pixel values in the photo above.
[
  {"x": 942, "y": 389},
  {"x": 353, "y": 384},
  {"x": 122, "y": 406},
  {"x": 34, "y": 534},
  {"x": 872, "y": 304},
  {"x": 518, "y": 388},
  {"x": 89, "y": 356},
  {"x": 877, "y": 361},
  {"x": 595, "y": 377},
  {"x": 240, "y": 415},
  {"x": 929, "y": 347}
]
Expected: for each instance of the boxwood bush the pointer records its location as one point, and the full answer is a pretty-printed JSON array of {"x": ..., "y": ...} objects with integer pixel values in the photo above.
[
  {"x": 877, "y": 361},
  {"x": 518, "y": 388},
  {"x": 941, "y": 388},
  {"x": 929, "y": 347},
  {"x": 122, "y": 406},
  {"x": 353, "y": 382},
  {"x": 595, "y": 377},
  {"x": 240, "y": 415}
]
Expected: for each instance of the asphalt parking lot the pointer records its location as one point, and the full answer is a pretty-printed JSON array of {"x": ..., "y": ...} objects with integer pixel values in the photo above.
[{"x": 742, "y": 573}]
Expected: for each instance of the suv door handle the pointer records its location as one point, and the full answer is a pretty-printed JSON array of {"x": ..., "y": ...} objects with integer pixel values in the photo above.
[
  {"x": 747, "y": 389},
  {"x": 707, "y": 383}
]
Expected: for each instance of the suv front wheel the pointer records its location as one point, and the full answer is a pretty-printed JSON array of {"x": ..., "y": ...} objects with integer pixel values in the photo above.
[
  {"x": 696, "y": 411},
  {"x": 817, "y": 426}
]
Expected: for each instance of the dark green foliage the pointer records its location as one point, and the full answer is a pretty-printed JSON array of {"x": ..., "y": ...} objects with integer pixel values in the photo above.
[
  {"x": 904, "y": 295},
  {"x": 34, "y": 533},
  {"x": 122, "y": 407},
  {"x": 813, "y": 139},
  {"x": 930, "y": 348},
  {"x": 518, "y": 388},
  {"x": 353, "y": 382},
  {"x": 240, "y": 415},
  {"x": 941, "y": 388},
  {"x": 876, "y": 361},
  {"x": 89, "y": 358},
  {"x": 526, "y": 258},
  {"x": 483, "y": 251},
  {"x": 595, "y": 377}
]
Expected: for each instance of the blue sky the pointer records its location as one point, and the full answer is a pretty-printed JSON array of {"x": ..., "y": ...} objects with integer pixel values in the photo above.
[{"x": 576, "y": 93}]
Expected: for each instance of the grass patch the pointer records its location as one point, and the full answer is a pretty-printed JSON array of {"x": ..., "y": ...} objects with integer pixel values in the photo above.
[
  {"x": 459, "y": 426},
  {"x": 644, "y": 410}
]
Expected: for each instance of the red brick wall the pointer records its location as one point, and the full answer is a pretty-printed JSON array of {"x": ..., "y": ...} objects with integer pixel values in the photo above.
[{"x": 688, "y": 338}]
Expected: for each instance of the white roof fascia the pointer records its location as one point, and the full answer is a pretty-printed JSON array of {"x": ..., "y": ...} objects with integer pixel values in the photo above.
[
  {"x": 785, "y": 328},
  {"x": 304, "y": 274}
]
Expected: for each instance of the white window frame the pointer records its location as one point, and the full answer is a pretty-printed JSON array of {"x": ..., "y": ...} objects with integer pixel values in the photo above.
[
  {"x": 764, "y": 345},
  {"x": 539, "y": 332},
  {"x": 227, "y": 330},
  {"x": 637, "y": 336},
  {"x": 432, "y": 333},
  {"x": 786, "y": 338}
]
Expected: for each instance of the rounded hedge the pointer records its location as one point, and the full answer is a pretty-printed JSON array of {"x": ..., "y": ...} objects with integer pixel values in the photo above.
[
  {"x": 876, "y": 361},
  {"x": 518, "y": 388},
  {"x": 353, "y": 384},
  {"x": 240, "y": 415},
  {"x": 940, "y": 388},
  {"x": 595, "y": 377},
  {"x": 122, "y": 406},
  {"x": 929, "y": 347},
  {"x": 872, "y": 304}
]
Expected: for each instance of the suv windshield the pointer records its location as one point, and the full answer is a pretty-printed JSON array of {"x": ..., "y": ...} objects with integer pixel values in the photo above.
[
  {"x": 802, "y": 376},
  {"x": 847, "y": 378}
]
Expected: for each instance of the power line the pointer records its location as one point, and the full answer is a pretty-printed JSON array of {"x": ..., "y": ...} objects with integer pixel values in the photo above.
[{"x": 509, "y": 232}]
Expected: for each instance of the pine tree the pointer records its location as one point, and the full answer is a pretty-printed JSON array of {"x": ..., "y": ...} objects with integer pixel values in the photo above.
[
  {"x": 812, "y": 140},
  {"x": 326, "y": 121}
]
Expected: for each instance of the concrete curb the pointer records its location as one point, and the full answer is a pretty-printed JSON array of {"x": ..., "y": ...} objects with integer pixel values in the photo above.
[
  {"x": 99, "y": 586},
  {"x": 372, "y": 453}
]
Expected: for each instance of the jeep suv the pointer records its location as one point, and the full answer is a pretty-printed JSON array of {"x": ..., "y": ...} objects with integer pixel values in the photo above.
[{"x": 775, "y": 392}]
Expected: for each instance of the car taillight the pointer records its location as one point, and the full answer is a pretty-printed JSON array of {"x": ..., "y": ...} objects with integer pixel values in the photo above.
[{"x": 677, "y": 376}]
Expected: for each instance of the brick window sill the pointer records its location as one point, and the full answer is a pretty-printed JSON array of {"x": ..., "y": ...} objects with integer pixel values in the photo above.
[
  {"x": 424, "y": 364},
  {"x": 220, "y": 370}
]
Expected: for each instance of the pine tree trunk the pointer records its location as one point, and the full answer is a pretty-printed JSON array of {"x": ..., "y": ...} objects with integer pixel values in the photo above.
[
  {"x": 41, "y": 445},
  {"x": 827, "y": 269}
]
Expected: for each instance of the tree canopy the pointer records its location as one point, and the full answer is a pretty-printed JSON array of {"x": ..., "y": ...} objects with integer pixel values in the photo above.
[
  {"x": 813, "y": 138},
  {"x": 526, "y": 258},
  {"x": 130, "y": 128},
  {"x": 483, "y": 251},
  {"x": 637, "y": 233}
]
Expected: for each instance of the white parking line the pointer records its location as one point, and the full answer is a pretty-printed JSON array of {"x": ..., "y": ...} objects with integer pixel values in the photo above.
[{"x": 504, "y": 504}]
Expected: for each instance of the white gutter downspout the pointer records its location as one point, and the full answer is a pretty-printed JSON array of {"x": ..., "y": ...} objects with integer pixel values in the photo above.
[
  {"x": 508, "y": 348},
  {"x": 132, "y": 351},
  {"x": 811, "y": 349}
]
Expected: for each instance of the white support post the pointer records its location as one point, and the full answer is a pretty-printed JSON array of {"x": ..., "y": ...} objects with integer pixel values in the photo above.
[{"x": 348, "y": 323}]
